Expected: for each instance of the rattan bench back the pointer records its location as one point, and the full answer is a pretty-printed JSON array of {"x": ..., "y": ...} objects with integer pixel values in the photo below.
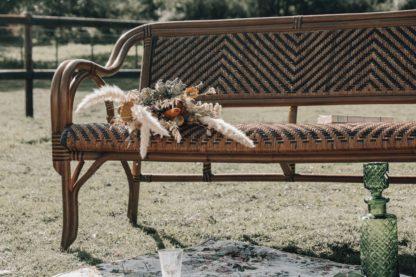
[{"x": 353, "y": 58}]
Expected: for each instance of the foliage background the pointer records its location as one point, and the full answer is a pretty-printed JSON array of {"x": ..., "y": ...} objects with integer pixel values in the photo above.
[
  {"x": 196, "y": 9},
  {"x": 162, "y": 10}
]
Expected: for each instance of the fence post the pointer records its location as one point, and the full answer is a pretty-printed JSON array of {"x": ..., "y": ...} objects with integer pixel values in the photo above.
[
  {"x": 22, "y": 52},
  {"x": 28, "y": 65}
]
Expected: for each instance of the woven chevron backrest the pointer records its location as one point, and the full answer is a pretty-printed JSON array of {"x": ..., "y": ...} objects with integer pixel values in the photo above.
[{"x": 303, "y": 64}]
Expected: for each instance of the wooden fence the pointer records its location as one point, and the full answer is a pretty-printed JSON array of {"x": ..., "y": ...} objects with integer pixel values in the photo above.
[{"x": 29, "y": 73}]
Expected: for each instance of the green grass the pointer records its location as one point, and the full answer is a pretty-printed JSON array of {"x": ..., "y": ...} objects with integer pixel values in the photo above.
[{"x": 317, "y": 219}]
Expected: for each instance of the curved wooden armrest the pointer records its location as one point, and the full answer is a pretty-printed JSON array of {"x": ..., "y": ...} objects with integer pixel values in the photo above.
[{"x": 71, "y": 73}]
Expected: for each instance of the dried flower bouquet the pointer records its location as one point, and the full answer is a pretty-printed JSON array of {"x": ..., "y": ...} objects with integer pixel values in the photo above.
[{"x": 163, "y": 110}]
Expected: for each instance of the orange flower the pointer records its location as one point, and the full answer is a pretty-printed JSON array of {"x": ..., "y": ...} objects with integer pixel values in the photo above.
[
  {"x": 172, "y": 113},
  {"x": 192, "y": 92}
]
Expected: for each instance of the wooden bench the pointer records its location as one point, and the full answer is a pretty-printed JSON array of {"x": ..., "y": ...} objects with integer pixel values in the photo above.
[{"x": 280, "y": 61}]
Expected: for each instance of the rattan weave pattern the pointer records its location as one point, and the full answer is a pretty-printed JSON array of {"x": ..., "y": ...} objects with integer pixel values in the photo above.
[
  {"x": 336, "y": 62},
  {"x": 269, "y": 138}
]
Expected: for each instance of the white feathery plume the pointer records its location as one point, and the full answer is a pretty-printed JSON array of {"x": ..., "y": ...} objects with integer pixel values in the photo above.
[
  {"x": 176, "y": 134},
  {"x": 104, "y": 93},
  {"x": 227, "y": 130},
  {"x": 148, "y": 123},
  {"x": 142, "y": 115},
  {"x": 144, "y": 140}
]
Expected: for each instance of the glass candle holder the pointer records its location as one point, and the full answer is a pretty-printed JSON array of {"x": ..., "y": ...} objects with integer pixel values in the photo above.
[{"x": 171, "y": 262}]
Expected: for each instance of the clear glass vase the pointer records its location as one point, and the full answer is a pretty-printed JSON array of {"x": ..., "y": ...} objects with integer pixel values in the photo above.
[{"x": 171, "y": 262}]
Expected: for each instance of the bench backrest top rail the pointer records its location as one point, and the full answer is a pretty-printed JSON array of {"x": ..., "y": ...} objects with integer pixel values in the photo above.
[{"x": 297, "y": 60}]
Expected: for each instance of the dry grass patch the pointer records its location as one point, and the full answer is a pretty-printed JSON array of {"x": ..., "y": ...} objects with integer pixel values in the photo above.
[{"x": 319, "y": 219}]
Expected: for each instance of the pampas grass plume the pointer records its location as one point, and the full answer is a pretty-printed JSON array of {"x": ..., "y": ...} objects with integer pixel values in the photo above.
[
  {"x": 100, "y": 95},
  {"x": 227, "y": 130},
  {"x": 148, "y": 123}
]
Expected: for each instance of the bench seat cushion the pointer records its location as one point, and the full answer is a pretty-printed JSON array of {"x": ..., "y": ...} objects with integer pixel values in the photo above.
[{"x": 269, "y": 138}]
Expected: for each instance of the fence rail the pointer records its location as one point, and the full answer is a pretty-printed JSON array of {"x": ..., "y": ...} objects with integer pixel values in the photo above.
[
  {"x": 47, "y": 74},
  {"x": 59, "y": 21},
  {"x": 29, "y": 73}
]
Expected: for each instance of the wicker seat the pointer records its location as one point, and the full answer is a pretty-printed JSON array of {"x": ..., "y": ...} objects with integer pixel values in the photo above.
[{"x": 269, "y": 138}]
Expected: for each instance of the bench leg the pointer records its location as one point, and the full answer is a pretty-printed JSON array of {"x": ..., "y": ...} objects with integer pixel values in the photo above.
[
  {"x": 70, "y": 207},
  {"x": 133, "y": 177}
]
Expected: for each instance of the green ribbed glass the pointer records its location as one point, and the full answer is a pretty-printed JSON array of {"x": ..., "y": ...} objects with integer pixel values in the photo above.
[
  {"x": 379, "y": 246},
  {"x": 379, "y": 242}
]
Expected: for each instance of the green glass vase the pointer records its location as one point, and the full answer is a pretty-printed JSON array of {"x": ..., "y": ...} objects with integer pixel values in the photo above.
[{"x": 379, "y": 242}]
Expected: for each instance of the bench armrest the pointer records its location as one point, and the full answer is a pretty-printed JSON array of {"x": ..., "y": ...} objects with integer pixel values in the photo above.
[{"x": 71, "y": 73}]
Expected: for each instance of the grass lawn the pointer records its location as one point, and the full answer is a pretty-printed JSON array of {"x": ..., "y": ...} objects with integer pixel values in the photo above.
[{"x": 318, "y": 219}]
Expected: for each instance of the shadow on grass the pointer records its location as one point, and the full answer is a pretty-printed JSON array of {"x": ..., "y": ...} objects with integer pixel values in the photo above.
[
  {"x": 407, "y": 264},
  {"x": 248, "y": 239},
  {"x": 86, "y": 257},
  {"x": 159, "y": 238},
  {"x": 343, "y": 253}
]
